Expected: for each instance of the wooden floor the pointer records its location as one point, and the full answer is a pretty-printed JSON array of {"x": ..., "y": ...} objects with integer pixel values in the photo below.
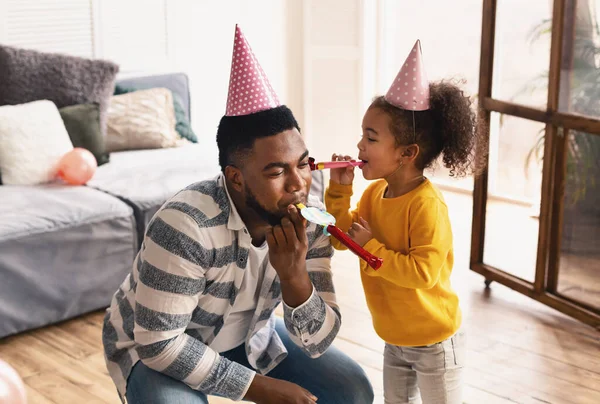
[{"x": 519, "y": 351}]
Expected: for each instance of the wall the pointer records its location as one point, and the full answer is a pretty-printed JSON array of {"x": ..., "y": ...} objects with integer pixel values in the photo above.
[{"x": 152, "y": 36}]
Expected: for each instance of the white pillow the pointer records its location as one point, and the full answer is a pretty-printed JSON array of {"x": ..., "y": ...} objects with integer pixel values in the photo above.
[{"x": 33, "y": 138}]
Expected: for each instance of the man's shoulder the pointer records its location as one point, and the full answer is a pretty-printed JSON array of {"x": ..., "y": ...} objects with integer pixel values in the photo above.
[
  {"x": 213, "y": 188},
  {"x": 205, "y": 202}
]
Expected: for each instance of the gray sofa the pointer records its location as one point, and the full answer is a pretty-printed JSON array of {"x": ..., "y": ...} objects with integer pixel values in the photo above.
[{"x": 64, "y": 250}]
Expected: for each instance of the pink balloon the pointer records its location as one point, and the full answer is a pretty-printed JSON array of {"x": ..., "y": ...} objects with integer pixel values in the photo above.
[
  {"x": 77, "y": 166},
  {"x": 12, "y": 389}
]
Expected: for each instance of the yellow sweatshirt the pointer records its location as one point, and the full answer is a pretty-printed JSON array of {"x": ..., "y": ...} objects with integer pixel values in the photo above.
[{"x": 410, "y": 297}]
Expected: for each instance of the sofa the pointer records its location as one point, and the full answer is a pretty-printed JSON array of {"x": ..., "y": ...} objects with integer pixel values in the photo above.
[{"x": 65, "y": 249}]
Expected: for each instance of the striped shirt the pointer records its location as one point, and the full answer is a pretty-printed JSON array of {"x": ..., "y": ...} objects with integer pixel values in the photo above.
[{"x": 183, "y": 285}]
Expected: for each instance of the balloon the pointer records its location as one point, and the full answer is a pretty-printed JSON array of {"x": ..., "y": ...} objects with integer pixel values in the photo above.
[
  {"x": 12, "y": 389},
  {"x": 77, "y": 166}
]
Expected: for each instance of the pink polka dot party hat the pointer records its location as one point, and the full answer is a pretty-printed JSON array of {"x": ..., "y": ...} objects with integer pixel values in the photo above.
[
  {"x": 410, "y": 89},
  {"x": 249, "y": 88}
]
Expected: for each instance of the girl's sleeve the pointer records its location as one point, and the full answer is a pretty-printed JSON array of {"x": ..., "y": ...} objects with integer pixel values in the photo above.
[{"x": 337, "y": 201}]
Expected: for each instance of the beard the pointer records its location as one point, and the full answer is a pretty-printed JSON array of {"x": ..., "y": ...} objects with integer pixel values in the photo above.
[{"x": 273, "y": 218}]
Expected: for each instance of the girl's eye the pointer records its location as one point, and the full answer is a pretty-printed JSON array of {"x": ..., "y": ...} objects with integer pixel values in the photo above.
[{"x": 369, "y": 139}]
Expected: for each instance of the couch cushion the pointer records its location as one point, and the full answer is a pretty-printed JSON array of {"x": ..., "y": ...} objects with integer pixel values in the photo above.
[
  {"x": 29, "y": 75},
  {"x": 64, "y": 250},
  {"x": 182, "y": 126},
  {"x": 178, "y": 83},
  {"x": 33, "y": 139},
  {"x": 147, "y": 178},
  {"x": 27, "y": 211},
  {"x": 83, "y": 125},
  {"x": 141, "y": 120}
]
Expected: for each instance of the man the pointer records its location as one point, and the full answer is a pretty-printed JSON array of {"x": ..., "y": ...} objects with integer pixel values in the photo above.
[{"x": 196, "y": 315}]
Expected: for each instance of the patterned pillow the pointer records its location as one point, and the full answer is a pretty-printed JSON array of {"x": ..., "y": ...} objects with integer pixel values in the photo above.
[
  {"x": 29, "y": 75},
  {"x": 33, "y": 138},
  {"x": 183, "y": 126},
  {"x": 142, "y": 120}
]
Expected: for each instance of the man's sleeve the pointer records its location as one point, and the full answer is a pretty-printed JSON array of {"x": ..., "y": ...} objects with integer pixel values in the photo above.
[
  {"x": 171, "y": 278},
  {"x": 314, "y": 324}
]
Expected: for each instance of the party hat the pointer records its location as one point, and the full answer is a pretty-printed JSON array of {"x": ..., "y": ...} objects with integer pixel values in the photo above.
[
  {"x": 410, "y": 89},
  {"x": 249, "y": 87}
]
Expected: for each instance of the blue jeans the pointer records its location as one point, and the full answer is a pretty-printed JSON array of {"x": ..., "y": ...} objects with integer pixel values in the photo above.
[{"x": 334, "y": 378}]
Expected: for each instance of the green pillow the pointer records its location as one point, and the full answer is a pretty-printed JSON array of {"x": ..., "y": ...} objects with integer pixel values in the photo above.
[
  {"x": 182, "y": 125},
  {"x": 83, "y": 125}
]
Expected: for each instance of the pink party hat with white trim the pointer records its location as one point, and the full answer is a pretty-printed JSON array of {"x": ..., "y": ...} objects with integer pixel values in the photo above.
[
  {"x": 410, "y": 89},
  {"x": 249, "y": 87}
]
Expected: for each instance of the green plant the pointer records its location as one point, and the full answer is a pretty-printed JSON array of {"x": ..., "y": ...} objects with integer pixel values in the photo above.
[{"x": 583, "y": 75}]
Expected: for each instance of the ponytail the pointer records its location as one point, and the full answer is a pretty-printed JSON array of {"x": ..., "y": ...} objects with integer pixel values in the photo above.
[
  {"x": 450, "y": 128},
  {"x": 457, "y": 132}
]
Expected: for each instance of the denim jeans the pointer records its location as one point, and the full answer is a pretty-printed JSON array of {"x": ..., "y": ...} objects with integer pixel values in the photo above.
[
  {"x": 435, "y": 371},
  {"x": 333, "y": 377}
]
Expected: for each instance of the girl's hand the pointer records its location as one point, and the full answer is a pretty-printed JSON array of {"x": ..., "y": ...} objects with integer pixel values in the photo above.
[
  {"x": 360, "y": 233},
  {"x": 343, "y": 176}
]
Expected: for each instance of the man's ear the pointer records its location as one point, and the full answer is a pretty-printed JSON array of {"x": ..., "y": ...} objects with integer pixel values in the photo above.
[{"x": 235, "y": 177}]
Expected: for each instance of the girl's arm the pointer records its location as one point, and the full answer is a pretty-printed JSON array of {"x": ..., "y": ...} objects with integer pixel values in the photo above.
[{"x": 337, "y": 201}]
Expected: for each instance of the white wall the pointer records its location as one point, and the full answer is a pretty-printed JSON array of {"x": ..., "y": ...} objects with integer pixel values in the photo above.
[
  {"x": 310, "y": 50},
  {"x": 201, "y": 40},
  {"x": 152, "y": 36},
  {"x": 332, "y": 72}
]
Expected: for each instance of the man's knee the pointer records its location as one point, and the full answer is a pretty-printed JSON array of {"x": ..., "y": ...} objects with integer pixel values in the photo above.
[
  {"x": 353, "y": 387},
  {"x": 146, "y": 385},
  {"x": 359, "y": 389}
]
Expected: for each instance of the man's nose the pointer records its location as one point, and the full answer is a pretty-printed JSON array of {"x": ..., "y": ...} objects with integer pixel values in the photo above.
[{"x": 296, "y": 181}]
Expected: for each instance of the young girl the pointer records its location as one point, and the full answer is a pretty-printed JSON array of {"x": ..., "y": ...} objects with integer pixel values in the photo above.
[{"x": 402, "y": 218}]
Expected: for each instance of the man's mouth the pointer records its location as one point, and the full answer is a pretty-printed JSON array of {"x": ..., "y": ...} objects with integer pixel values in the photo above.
[{"x": 303, "y": 200}]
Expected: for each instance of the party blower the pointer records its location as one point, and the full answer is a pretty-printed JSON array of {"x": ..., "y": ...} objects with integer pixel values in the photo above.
[
  {"x": 325, "y": 219},
  {"x": 333, "y": 164}
]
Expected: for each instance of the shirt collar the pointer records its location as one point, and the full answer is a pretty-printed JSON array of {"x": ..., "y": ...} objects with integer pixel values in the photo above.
[{"x": 234, "y": 221}]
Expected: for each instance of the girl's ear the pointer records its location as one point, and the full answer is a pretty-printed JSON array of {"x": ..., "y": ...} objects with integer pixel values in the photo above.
[{"x": 411, "y": 152}]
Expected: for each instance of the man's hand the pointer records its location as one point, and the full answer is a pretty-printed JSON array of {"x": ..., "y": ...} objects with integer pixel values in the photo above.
[
  {"x": 360, "y": 233},
  {"x": 288, "y": 245},
  {"x": 343, "y": 176},
  {"x": 267, "y": 390}
]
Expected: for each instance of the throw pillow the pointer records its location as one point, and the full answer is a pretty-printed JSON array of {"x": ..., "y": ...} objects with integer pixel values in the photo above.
[
  {"x": 141, "y": 120},
  {"x": 29, "y": 75},
  {"x": 33, "y": 138},
  {"x": 183, "y": 126},
  {"x": 83, "y": 125}
]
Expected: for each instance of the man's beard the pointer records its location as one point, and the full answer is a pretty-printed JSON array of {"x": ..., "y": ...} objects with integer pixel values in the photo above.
[{"x": 272, "y": 218}]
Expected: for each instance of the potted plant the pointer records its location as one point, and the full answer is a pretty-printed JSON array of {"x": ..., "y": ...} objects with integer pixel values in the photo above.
[{"x": 580, "y": 93}]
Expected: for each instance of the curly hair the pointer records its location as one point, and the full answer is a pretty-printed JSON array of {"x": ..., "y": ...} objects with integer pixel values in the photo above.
[{"x": 450, "y": 127}]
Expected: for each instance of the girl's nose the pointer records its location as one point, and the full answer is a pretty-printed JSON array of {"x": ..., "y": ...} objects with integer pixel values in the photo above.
[{"x": 360, "y": 144}]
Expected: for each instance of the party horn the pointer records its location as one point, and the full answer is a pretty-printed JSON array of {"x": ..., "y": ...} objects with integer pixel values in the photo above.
[
  {"x": 333, "y": 164},
  {"x": 326, "y": 219}
]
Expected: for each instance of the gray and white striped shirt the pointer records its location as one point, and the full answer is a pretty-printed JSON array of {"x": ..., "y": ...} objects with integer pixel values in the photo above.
[{"x": 183, "y": 285}]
